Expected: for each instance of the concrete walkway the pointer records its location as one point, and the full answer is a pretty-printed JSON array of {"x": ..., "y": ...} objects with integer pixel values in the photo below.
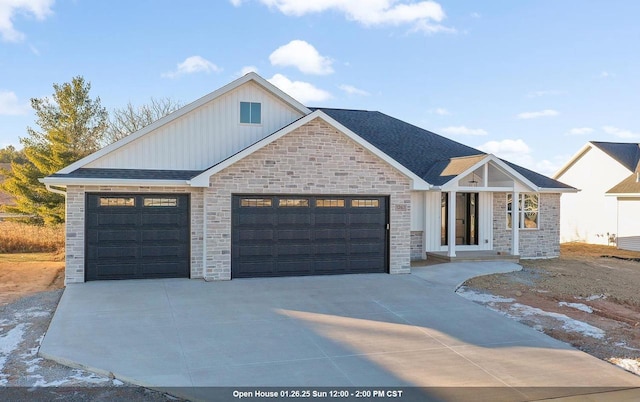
[{"x": 352, "y": 330}]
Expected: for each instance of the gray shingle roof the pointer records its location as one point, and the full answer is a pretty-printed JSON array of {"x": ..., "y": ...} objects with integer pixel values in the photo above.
[
  {"x": 424, "y": 153},
  {"x": 142, "y": 174},
  {"x": 628, "y": 154}
]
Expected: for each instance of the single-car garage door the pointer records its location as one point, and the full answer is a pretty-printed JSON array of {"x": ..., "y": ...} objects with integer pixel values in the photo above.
[
  {"x": 135, "y": 236},
  {"x": 303, "y": 235}
]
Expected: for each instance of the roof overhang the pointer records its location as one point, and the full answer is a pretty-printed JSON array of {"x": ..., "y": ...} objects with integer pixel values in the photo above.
[
  {"x": 60, "y": 181},
  {"x": 183, "y": 111},
  {"x": 202, "y": 180}
]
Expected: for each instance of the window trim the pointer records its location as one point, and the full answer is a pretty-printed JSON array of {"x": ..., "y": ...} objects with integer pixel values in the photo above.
[
  {"x": 522, "y": 212},
  {"x": 262, "y": 202},
  {"x": 116, "y": 197},
  {"x": 160, "y": 202},
  {"x": 294, "y": 203},
  {"x": 365, "y": 203}
]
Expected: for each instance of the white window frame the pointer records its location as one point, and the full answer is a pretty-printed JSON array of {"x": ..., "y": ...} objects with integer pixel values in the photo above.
[{"x": 522, "y": 211}]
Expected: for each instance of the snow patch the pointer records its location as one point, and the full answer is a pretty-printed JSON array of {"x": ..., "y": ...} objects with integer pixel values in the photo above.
[
  {"x": 577, "y": 306},
  {"x": 31, "y": 313},
  {"x": 481, "y": 297},
  {"x": 79, "y": 376},
  {"x": 9, "y": 342},
  {"x": 631, "y": 365},
  {"x": 568, "y": 323},
  {"x": 594, "y": 297}
]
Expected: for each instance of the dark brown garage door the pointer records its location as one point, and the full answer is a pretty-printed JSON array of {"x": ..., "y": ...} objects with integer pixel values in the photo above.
[
  {"x": 302, "y": 235},
  {"x": 135, "y": 236}
]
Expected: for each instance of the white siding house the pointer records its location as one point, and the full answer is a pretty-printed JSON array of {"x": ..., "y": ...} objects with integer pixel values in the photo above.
[{"x": 607, "y": 207}]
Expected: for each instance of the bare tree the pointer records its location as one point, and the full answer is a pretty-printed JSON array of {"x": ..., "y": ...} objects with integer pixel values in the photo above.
[{"x": 129, "y": 119}]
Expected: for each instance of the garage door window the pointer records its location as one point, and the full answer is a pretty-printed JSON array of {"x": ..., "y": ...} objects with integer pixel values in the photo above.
[
  {"x": 117, "y": 202},
  {"x": 255, "y": 202},
  {"x": 330, "y": 203},
  {"x": 298, "y": 202},
  {"x": 160, "y": 202},
  {"x": 365, "y": 204}
]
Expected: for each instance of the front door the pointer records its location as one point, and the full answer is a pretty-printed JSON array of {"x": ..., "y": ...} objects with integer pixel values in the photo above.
[{"x": 466, "y": 219}]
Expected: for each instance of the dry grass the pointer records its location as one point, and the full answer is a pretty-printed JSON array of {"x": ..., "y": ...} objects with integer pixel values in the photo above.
[{"x": 23, "y": 238}]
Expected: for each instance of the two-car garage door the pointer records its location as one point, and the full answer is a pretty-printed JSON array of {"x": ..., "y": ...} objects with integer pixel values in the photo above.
[
  {"x": 308, "y": 235},
  {"x": 135, "y": 236}
]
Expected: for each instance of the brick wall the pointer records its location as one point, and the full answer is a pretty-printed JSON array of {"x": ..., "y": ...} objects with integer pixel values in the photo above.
[
  {"x": 416, "y": 246},
  {"x": 313, "y": 159},
  {"x": 75, "y": 216},
  {"x": 543, "y": 242}
]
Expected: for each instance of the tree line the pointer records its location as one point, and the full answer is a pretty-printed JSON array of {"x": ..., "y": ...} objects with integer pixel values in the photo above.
[{"x": 70, "y": 125}]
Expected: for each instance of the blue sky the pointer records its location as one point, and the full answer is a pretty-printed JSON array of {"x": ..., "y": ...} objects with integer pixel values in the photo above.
[{"x": 530, "y": 81}]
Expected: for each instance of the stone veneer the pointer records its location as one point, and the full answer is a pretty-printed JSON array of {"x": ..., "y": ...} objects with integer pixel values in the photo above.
[
  {"x": 75, "y": 219},
  {"x": 543, "y": 242},
  {"x": 416, "y": 246},
  {"x": 313, "y": 159}
]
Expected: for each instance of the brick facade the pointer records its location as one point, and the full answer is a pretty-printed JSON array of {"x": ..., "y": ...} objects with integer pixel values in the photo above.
[
  {"x": 416, "y": 246},
  {"x": 313, "y": 159},
  {"x": 75, "y": 218},
  {"x": 543, "y": 242}
]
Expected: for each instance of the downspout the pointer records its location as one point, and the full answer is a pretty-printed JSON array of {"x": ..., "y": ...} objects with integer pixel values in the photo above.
[{"x": 55, "y": 190}]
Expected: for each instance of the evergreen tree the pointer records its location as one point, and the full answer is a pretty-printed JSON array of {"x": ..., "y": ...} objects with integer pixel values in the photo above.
[{"x": 72, "y": 125}]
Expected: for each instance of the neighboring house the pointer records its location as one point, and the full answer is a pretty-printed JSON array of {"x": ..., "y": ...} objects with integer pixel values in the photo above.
[
  {"x": 607, "y": 208},
  {"x": 247, "y": 181}
]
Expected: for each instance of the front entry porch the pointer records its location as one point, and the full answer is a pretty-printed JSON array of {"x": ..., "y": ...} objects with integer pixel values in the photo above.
[{"x": 466, "y": 256}]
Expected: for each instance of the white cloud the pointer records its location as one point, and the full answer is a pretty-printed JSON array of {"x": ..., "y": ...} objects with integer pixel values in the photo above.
[
  {"x": 606, "y": 74},
  {"x": 247, "y": 69},
  {"x": 9, "y": 105},
  {"x": 40, "y": 9},
  {"x": 302, "y": 91},
  {"x": 580, "y": 131},
  {"x": 535, "y": 115},
  {"x": 191, "y": 65},
  {"x": 505, "y": 148},
  {"x": 620, "y": 133},
  {"x": 518, "y": 152},
  {"x": 351, "y": 90},
  {"x": 303, "y": 56},
  {"x": 428, "y": 28},
  {"x": 236, "y": 3},
  {"x": 370, "y": 12},
  {"x": 463, "y": 130},
  {"x": 548, "y": 92},
  {"x": 440, "y": 111}
]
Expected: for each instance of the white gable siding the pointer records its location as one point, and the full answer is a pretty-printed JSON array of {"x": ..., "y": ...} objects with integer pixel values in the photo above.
[
  {"x": 588, "y": 215},
  {"x": 204, "y": 136}
]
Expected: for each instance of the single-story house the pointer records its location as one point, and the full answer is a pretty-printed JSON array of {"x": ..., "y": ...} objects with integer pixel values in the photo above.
[
  {"x": 248, "y": 182},
  {"x": 606, "y": 209}
]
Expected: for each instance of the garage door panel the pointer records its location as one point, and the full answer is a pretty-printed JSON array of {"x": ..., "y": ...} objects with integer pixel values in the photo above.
[
  {"x": 255, "y": 235},
  {"x": 135, "y": 240},
  {"x": 289, "y": 239},
  {"x": 294, "y": 234}
]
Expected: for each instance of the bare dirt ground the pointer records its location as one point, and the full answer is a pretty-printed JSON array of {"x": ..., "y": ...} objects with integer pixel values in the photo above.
[
  {"x": 25, "y": 274},
  {"x": 589, "y": 297}
]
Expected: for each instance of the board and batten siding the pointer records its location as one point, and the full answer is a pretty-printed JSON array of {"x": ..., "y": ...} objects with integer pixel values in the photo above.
[{"x": 204, "y": 136}]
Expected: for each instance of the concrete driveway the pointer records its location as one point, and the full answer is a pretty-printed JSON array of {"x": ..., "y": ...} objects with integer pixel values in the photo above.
[{"x": 369, "y": 330}]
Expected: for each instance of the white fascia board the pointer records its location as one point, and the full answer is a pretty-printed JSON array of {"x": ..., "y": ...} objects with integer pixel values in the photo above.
[
  {"x": 81, "y": 181},
  {"x": 586, "y": 147},
  {"x": 558, "y": 190},
  {"x": 622, "y": 195},
  {"x": 202, "y": 180},
  {"x": 506, "y": 169},
  {"x": 186, "y": 109}
]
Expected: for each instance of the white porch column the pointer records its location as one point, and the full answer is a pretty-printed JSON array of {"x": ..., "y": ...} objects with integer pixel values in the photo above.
[
  {"x": 451, "y": 225},
  {"x": 515, "y": 223}
]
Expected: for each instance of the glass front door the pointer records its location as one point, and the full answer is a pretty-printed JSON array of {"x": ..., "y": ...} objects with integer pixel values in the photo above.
[{"x": 466, "y": 219}]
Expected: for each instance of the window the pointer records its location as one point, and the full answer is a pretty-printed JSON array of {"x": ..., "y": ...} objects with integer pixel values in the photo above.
[
  {"x": 117, "y": 202},
  {"x": 160, "y": 202},
  {"x": 303, "y": 202},
  {"x": 255, "y": 202},
  {"x": 333, "y": 203},
  {"x": 364, "y": 204},
  {"x": 528, "y": 206},
  {"x": 250, "y": 113}
]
